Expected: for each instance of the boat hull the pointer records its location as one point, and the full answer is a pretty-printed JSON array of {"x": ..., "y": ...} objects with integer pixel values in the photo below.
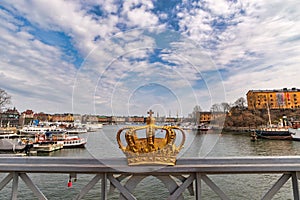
[
  {"x": 295, "y": 133},
  {"x": 274, "y": 134},
  {"x": 75, "y": 143}
]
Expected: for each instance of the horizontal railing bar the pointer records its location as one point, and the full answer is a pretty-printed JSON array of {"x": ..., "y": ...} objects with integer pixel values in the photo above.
[
  {"x": 180, "y": 161},
  {"x": 183, "y": 165}
]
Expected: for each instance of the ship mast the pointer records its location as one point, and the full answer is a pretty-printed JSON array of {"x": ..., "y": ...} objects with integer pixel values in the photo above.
[{"x": 269, "y": 115}]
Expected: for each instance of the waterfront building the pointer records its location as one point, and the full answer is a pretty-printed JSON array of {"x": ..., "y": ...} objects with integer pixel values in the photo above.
[
  {"x": 89, "y": 119},
  {"x": 41, "y": 116},
  {"x": 119, "y": 120},
  {"x": 104, "y": 119},
  {"x": 9, "y": 118},
  {"x": 111, "y": 119},
  {"x": 26, "y": 117},
  {"x": 170, "y": 120},
  {"x": 207, "y": 117},
  {"x": 135, "y": 119},
  {"x": 66, "y": 117},
  {"x": 273, "y": 99}
]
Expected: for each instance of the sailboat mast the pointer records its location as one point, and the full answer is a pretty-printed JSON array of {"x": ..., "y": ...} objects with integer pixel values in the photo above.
[{"x": 269, "y": 115}]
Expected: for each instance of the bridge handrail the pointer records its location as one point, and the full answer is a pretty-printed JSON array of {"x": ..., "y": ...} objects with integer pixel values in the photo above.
[
  {"x": 206, "y": 165},
  {"x": 186, "y": 170}
]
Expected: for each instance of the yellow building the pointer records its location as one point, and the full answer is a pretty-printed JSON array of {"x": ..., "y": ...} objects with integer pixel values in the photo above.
[
  {"x": 274, "y": 99},
  {"x": 66, "y": 117},
  {"x": 206, "y": 117}
]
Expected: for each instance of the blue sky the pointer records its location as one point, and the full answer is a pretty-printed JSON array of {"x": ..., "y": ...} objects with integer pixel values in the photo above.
[{"x": 126, "y": 57}]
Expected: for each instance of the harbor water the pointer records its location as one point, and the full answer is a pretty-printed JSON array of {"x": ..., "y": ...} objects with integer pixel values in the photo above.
[{"x": 102, "y": 144}]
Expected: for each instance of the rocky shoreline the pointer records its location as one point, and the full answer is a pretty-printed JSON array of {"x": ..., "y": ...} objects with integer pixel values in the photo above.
[{"x": 244, "y": 120}]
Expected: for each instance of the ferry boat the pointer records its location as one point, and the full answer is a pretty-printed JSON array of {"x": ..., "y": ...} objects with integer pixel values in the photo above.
[
  {"x": 73, "y": 142},
  {"x": 63, "y": 139},
  {"x": 32, "y": 130},
  {"x": 76, "y": 130},
  {"x": 8, "y": 132}
]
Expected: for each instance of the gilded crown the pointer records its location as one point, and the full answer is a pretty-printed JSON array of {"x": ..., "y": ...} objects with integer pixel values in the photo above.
[{"x": 150, "y": 149}]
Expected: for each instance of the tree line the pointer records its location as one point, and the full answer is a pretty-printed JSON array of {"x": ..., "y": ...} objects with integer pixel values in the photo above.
[{"x": 225, "y": 107}]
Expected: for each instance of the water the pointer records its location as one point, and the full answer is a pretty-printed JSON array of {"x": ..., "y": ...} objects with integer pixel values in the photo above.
[{"x": 102, "y": 144}]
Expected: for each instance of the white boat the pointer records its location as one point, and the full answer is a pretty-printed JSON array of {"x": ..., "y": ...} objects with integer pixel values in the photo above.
[
  {"x": 11, "y": 145},
  {"x": 204, "y": 128},
  {"x": 93, "y": 127},
  {"x": 187, "y": 126},
  {"x": 63, "y": 139},
  {"x": 295, "y": 133},
  {"x": 46, "y": 147},
  {"x": 8, "y": 132},
  {"x": 32, "y": 130},
  {"x": 72, "y": 142},
  {"x": 76, "y": 130}
]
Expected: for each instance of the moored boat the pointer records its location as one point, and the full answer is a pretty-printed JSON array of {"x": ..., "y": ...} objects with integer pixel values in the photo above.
[
  {"x": 204, "y": 128},
  {"x": 92, "y": 127},
  {"x": 8, "y": 132},
  {"x": 46, "y": 147},
  {"x": 295, "y": 133},
  {"x": 7, "y": 145},
  {"x": 62, "y": 138},
  {"x": 32, "y": 130},
  {"x": 277, "y": 132},
  {"x": 273, "y": 133},
  {"x": 76, "y": 130},
  {"x": 73, "y": 142}
]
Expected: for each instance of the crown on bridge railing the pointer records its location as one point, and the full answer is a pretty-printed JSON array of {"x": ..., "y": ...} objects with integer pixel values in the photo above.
[{"x": 151, "y": 149}]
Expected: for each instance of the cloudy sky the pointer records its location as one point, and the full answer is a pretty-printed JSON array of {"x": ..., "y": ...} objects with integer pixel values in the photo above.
[{"x": 115, "y": 57}]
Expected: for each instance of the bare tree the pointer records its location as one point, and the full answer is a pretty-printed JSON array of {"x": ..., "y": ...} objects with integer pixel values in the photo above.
[
  {"x": 215, "y": 108},
  {"x": 225, "y": 106},
  {"x": 5, "y": 99},
  {"x": 240, "y": 102},
  {"x": 196, "y": 113}
]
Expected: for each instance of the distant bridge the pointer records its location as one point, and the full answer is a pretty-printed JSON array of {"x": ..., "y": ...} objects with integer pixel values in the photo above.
[{"x": 187, "y": 174}]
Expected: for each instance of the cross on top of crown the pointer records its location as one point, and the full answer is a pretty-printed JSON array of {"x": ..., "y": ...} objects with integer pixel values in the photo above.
[{"x": 150, "y": 112}]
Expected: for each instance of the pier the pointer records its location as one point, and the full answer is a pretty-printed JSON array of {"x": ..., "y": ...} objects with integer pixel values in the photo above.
[{"x": 188, "y": 174}]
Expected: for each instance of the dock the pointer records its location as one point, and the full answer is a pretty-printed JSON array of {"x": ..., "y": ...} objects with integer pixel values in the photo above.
[{"x": 46, "y": 147}]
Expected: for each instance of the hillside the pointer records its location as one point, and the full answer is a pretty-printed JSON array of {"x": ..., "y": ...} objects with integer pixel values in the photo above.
[{"x": 238, "y": 117}]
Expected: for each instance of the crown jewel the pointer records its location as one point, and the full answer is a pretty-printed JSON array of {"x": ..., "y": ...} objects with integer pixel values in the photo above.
[{"x": 158, "y": 147}]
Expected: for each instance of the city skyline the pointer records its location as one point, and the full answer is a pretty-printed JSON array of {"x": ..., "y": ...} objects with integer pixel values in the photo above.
[{"x": 124, "y": 58}]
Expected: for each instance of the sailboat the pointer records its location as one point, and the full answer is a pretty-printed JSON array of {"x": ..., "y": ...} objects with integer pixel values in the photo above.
[{"x": 272, "y": 131}]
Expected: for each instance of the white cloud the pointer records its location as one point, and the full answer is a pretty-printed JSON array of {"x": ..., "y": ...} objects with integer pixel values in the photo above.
[
  {"x": 136, "y": 13},
  {"x": 32, "y": 71},
  {"x": 239, "y": 39},
  {"x": 258, "y": 47}
]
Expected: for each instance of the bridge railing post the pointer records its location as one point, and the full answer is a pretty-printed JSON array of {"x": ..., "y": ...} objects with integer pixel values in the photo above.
[
  {"x": 104, "y": 186},
  {"x": 295, "y": 185},
  {"x": 198, "y": 186},
  {"x": 14, "y": 194}
]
